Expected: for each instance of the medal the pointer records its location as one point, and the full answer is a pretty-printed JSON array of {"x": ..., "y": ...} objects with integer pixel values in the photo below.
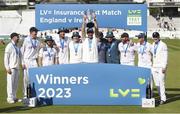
[
  {"x": 142, "y": 49},
  {"x": 33, "y": 43},
  {"x": 62, "y": 45},
  {"x": 49, "y": 53},
  {"x": 125, "y": 49},
  {"x": 76, "y": 46},
  {"x": 155, "y": 49},
  {"x": 90, "y": 44},
  {"x": 110, "y": 49}
]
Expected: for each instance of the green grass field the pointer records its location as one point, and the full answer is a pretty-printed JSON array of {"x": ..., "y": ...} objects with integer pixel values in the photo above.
[{"x": 172, "y": 89}]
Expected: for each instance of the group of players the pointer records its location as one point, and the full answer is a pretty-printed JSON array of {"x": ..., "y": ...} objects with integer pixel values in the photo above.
[{"x": 89, "y": 47}]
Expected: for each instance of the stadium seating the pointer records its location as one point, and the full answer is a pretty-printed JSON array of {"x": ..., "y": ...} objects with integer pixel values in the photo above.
[
  {"x": 9, "y": 20},
  {"x": 152, "y": 23},
  {"x": 28, "y": 20},
  {"x": 15, "y": 21},
  {"x": 12, "y": 21},
  {"x": 176, "y": 20}
]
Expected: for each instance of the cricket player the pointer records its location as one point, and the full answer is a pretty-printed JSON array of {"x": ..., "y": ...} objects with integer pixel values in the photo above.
[
  {"x": 12, "y": 58},
  {"x": 145, "y": 55},
  {"x": 76, "y": 48},
  {"x": 127, "y": 50},
  {"x": 144, "y": 52},
  {"x": 62, "y": 45},
  {"x": 101, "y": 48},
  {"x": 29, "y": 50},
  {"x": 160, "y": 57},
  {"x": 48, "y": 55},
  {"x": 112, "y": 52},
  {"x": 90, "y": 48}
]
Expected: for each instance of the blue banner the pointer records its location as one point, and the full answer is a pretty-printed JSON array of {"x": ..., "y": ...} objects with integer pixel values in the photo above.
[
  {"x": 89, "y": 84},
  {"x": 122, "y": 16}
]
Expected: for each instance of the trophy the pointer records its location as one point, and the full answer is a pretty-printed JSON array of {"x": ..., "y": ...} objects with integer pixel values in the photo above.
[{"x": 90, "y": 18}]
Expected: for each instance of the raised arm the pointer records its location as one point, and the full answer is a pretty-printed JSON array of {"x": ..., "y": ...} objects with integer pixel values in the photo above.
[
  {"x": 83, "y": 27},
  {"x": 96, "y": 26}
]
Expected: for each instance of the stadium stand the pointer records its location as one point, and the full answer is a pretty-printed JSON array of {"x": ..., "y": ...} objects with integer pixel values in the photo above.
[
  {"x": 9, "y": 20},
  {"x": 12, "y": 21},
  {"x": 20, "y": 20},
  {"x": 168, "y": 28},
  {"x": 176, "y": 20},
  {"x": 28, "y": 20},
  {"x": 152, "y": 23}
]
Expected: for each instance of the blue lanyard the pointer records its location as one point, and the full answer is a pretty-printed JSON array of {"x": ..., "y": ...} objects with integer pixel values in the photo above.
[
  {"x": 62, "y": 43},
  {"x": 76, "y": 46},
  {"x": 155, "y": 48},
  {"x": 33, "y": 43},
  {"x": 49, "y": 53},
  {"x": 15, "y": 47},
  {"x": 110, "y": 47},
  {"x": 90, "y": 43},
  {"x": 125, "y": 49},
  {"x": 142, "y": 48}
]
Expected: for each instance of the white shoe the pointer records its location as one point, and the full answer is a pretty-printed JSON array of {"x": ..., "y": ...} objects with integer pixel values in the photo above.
[
  {"x": 24, "y": 97},
  {"x": 162, "y": 102},
  {"x": 17, "y": 100},
  {"x": 10, "y": 101}
]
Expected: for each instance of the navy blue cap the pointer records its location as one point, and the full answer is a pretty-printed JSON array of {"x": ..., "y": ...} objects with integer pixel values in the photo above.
[
  {"x": 141, "y": 35},
  {"x": 155, "y": 35},
  {"x": 61, "y": 30},
  {"x": 76, "y": 34},
  {"x": 90, "y": 30},
  {"x": 109, "y": 34},
  {"x": 48, "y": 38}
]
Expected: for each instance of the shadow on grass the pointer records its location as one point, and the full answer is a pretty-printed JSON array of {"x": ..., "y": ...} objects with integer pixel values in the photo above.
[
  {"x": 19, "y": 108},
  {"x": 173, "y": 89},
  {"x": 14, "y": 109},
  {"x": 169, "y": 89},
  {"x": 171, "y": 97}
]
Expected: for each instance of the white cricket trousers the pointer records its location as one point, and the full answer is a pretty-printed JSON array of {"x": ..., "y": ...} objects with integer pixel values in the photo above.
[
  {"x": 26, "y": 81},
  {"x": 12, "y": 84},
  {"x": 159, "y": 80},
  {"x": 151, "y": 78}
]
